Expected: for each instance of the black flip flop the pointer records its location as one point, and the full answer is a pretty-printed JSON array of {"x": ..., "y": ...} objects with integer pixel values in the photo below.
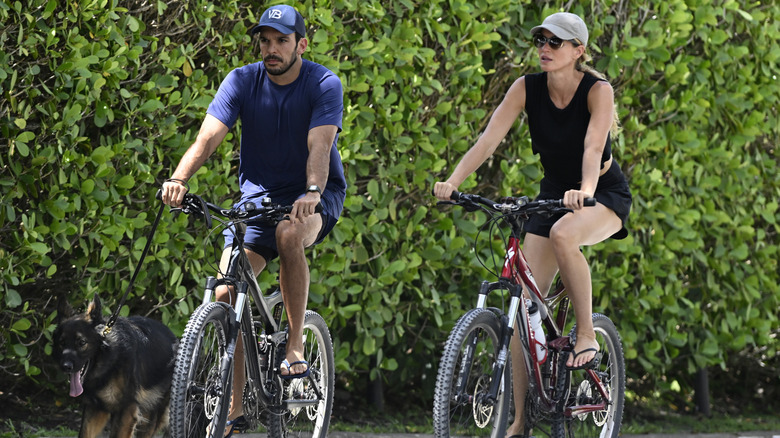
[
  {"x": 593, "y": 363},
  {"x": 238, "y": 424},
  {"x": 289, "y": 368}
]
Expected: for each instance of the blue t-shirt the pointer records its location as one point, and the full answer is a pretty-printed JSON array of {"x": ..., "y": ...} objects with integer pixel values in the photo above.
[{"x": 275, "y": 123}]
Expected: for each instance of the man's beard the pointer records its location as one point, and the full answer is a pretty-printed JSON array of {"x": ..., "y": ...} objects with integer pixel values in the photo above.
[{"x": 278, "y": 71}]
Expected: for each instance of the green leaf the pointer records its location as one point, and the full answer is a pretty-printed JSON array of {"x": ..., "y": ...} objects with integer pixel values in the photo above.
[
  {"x": 39, "y": 247},
  {"x": 126, "y": 182},
  {"x": 151, "y": 106},
  {"x": 87, "y": 186},
  {"x": 21, "y": 325},
  {"x": 12, "y": 298}
]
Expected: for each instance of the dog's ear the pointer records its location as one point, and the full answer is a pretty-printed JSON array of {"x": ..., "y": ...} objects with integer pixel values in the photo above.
[
  {"x": 95, "y": 310},
  {"x": 64, "y": 309}
]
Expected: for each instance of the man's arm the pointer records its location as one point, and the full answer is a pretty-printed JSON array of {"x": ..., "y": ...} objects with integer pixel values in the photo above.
[
  {"x": 211, "y": 134},
  {"x": 320, "y": 142}
]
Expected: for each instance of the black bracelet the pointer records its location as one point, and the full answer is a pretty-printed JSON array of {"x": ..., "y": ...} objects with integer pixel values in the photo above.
[{"x": 181, "y": 181}]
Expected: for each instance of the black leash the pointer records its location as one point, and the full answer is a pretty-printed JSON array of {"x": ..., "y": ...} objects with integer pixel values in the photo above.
[{"x": 115, "y": 316}]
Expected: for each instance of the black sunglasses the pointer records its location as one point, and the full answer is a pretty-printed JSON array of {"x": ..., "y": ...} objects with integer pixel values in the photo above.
[{"x": 554, "y": 42}]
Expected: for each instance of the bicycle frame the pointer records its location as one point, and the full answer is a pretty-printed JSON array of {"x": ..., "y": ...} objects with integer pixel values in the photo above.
[
  {"x": 239, "y": 275},
  {"x": 556, "y": 394},
  {"x": 516, "y": 277}
]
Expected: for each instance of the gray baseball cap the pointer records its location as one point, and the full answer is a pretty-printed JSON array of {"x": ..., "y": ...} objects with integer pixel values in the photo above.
[
  {"x": 283, "y": 18},
  {"x": 566, "y": 26}
]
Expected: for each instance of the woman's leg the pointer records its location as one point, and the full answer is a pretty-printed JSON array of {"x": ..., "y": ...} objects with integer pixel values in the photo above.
[
  {"x": 539, "y": 254},
  {"x": 587, "y": 226}
]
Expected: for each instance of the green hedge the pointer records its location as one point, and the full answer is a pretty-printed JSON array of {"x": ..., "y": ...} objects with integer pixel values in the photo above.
[{"x": 100, "y": 98}]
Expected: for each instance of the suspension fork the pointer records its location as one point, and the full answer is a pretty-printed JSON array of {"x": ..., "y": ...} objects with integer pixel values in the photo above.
[
  {"x": 234, "y": 325},
  {"x": 507, "y": 330},
  {"x": 227, "y": 360}
]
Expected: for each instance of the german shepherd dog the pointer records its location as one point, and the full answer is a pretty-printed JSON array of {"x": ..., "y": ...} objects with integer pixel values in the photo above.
[{"x": 123, "y": 375}]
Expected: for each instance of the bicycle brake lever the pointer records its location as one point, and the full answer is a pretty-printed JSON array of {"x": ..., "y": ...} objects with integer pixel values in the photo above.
[
  {"x": 206, "y": 213},
  {"x": 472, "y": 206}
]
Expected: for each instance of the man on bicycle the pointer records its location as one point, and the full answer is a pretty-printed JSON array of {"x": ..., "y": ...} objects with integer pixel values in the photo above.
[{"x": 291, "y": 113}]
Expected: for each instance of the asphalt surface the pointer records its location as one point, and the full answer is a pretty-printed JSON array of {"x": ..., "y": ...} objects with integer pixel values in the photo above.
[
  {"x": 762, "y": 434},
  {"x": 758, "y": 434}
]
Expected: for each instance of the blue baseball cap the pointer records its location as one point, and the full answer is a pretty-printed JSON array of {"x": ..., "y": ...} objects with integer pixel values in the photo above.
[{"x": 283, "y": 18}]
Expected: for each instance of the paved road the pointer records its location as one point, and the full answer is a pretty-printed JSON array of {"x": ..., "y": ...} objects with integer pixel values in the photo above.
[
  {"x": 760, "y": 434},
  {"x": 419, "y": 435}
]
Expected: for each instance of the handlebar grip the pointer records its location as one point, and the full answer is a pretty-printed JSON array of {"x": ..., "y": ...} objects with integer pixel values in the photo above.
[
  {"x": 589, "y": 202},
  {"x": 455, "y": 196}
]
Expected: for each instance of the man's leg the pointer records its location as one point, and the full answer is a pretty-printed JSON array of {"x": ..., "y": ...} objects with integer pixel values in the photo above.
[
  {"x": 222, "y": 294},
  {"x": 291, "y": 240}
]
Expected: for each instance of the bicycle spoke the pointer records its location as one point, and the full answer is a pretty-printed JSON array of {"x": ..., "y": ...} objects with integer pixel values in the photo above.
[
  {"x": 309, "y": 400},
  {"x": 199, "y": 397},
  {"x": 463, "y": 404},
  {"x": 585, "y": 391}
]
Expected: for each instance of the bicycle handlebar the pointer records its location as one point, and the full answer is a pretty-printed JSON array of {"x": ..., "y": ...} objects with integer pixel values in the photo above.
[
  {"x": 268, "y": 211},
  {"x": 515, "y": 205}
]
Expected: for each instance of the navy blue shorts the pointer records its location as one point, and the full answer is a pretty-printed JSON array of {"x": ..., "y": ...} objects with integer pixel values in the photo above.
[
  {"x": 261, "y": 239},
  {"x": 612, "y": 191}
]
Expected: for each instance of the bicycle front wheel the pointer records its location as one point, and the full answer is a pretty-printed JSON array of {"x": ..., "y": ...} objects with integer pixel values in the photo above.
[
  {"x": 203, "y": 375},
  {"x": 307, "y": 402},
  {"x": 581, "y": 389},
  {"x": 462, "y": 405}
]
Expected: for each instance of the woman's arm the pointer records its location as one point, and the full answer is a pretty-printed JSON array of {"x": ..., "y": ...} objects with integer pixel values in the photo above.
[
  {"x": 601, "y": 106},
  {"x": 502, "y": 120}
]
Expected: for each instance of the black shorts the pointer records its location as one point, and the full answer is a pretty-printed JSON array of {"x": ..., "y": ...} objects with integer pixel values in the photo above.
[
  {"x": 612, "y": 191},
  {"x": 261, "y": 239}
]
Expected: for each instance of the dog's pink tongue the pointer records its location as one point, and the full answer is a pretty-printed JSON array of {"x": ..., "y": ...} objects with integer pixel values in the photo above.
[{"x": 75, "y": 385}]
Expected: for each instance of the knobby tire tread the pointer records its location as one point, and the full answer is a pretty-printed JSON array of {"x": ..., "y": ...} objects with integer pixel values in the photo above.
[
  {"x": 284, "y": 424},
  {"x": 572, "y": 427},
  {"x": 180, "y": 411},
  {"x": 474, "y": 319}
]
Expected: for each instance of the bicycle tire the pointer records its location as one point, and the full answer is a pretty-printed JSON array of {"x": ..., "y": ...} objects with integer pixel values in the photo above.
[
  {"x": 579, "y": 390},
  {"x": 309, "y": 421},
  {"x": 202, "y": 377},
  {"x": 467, "y": 413}
]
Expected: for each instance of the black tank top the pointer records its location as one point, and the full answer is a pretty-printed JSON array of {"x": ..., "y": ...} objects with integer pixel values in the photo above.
[{"x": 558, "y": 135}]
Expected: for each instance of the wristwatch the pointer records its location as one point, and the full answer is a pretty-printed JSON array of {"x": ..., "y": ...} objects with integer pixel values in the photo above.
[{"x": 314, "y": 188}]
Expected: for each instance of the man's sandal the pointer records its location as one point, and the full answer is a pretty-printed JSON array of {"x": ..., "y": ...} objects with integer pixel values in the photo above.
[{"x": 289, "y": 366}]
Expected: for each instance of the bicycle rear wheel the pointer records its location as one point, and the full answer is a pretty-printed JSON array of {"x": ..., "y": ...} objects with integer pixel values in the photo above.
[
  {"x": 308, "y": 402},
  {"x": 203, "y": 375},
  {"x": 461, "y": 406},
  {"x": 582, "y": 390}
]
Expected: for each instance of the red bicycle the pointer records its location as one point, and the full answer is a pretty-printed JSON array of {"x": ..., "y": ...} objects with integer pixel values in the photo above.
[{"x": 473, "y": 385}]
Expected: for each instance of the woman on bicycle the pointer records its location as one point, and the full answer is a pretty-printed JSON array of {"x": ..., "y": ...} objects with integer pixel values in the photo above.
[{"x": 571, "y": 114}]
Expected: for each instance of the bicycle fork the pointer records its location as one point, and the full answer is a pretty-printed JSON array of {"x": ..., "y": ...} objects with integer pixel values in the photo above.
[{"x": 507, "y": 329}]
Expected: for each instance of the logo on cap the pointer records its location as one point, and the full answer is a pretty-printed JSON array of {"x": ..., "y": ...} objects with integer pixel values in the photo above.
[{"x": 276, "y": 14}]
